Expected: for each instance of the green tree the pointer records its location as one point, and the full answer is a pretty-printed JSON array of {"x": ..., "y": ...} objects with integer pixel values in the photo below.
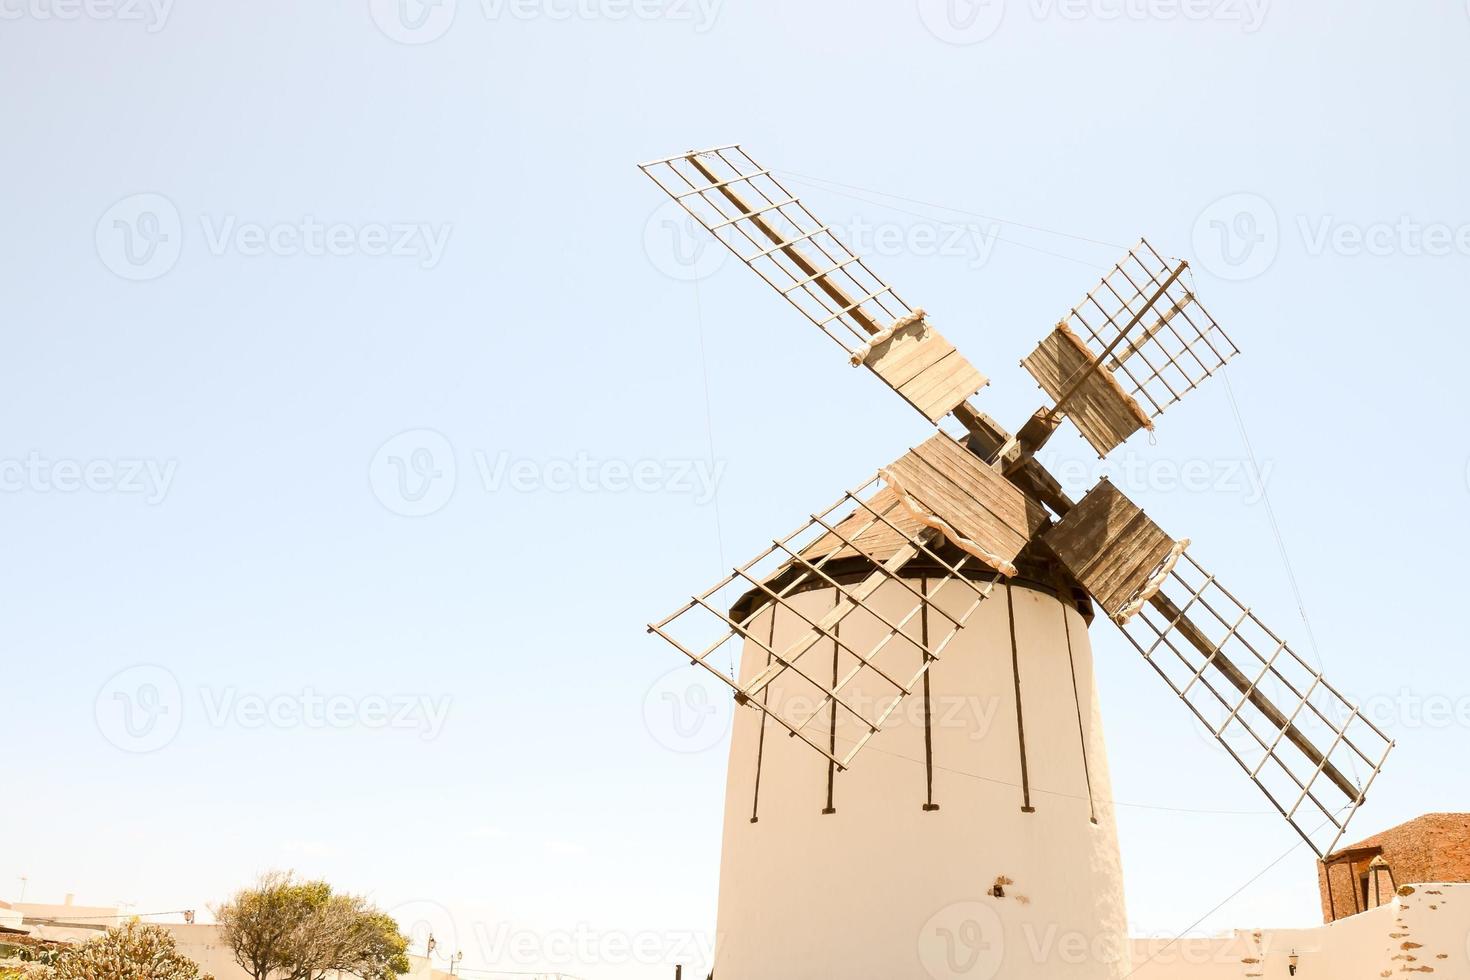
[
  {"x": 284, "y": 929},
  {"x": 134, "y": 951}
]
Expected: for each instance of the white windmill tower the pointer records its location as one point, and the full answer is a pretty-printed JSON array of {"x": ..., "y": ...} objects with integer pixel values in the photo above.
[{"x": 944, "y": 603}]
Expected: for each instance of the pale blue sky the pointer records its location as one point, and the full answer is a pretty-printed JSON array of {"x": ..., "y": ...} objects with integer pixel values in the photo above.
[{"x": 364, "y": 235}]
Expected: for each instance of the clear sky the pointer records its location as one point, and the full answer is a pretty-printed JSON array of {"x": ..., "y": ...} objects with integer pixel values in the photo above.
[{"x": 356, "y": 415}]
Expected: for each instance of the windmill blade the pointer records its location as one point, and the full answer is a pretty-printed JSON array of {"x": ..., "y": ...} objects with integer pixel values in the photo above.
[
  {"x": 754, "y": 215},
  {"x": 936, "y": 520},
  {"x": 1294, "y": 734},
  {"x": 1136, "y": 344}
]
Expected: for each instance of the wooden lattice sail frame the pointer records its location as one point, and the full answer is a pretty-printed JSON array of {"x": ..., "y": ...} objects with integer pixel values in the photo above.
[
  {"x": 768, "y": 228},
  {"x": 966, "y": 510},
  {"x": 1137, "y": 343},
  {"x": 938, "y": 507},
  {"x": 1292, "y": 732},
  {"x": 1299, "y": 739}
]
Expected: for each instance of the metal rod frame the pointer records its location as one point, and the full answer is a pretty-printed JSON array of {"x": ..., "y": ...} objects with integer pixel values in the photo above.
[
  {"x": 1346, "y": 728},
  {"x": 855, "y": 508},
  {"x": 1143, "y": 282},
  {"x": 767, "y": 227}
]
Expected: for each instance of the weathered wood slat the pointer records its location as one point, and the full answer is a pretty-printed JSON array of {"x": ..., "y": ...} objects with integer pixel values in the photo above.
[
  {"x": 908, "y": 361},
  {"x": 995, "y": 498},
  {"x": 939, "y": 388},
  {"x": 1110, "y": 545},
  {"x": 1102, "y": 411},
  {"x": 924, "y": 367},
  {"x": 977, "y": 503}
]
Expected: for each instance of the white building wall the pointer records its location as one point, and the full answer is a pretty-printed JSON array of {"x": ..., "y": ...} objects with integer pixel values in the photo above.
[
  {"x": 881, "y": 889},
  {"x": 1426, "y": 932}
]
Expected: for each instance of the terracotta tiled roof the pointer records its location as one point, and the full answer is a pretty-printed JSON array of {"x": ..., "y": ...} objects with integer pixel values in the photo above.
[{"x": 1452, "y": 820}]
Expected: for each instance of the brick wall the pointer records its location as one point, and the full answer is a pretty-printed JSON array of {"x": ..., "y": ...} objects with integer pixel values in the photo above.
[{"x": 1433, "y": 848}]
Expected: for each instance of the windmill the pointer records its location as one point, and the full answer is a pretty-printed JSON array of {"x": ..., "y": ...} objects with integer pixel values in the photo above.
[{"x": 962, "y": 572}]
